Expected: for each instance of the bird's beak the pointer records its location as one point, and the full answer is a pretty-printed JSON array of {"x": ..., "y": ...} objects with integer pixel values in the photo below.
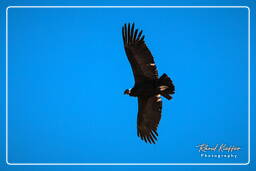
[{"x": 126, "y": 92}]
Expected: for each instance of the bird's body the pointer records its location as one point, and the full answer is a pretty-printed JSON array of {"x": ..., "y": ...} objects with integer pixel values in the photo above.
[
  {"x": 144, "y": 89},
  {"x": 148, "y": 86}
]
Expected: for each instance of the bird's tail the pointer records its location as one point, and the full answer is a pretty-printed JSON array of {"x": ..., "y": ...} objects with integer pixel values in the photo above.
[{"x": 166, "y": 86}]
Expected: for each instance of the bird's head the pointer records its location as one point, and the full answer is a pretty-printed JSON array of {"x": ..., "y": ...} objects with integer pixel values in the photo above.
[{"x": 127, "y": 91}]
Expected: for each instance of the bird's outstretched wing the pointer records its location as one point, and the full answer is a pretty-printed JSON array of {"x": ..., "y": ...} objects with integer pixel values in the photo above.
[
  {"x": 149, "y": 115},
  {"x": 139, "y": 56}
]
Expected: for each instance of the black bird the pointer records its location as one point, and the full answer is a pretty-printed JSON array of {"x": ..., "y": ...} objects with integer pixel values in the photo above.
[{"x": 148, "y": 87}]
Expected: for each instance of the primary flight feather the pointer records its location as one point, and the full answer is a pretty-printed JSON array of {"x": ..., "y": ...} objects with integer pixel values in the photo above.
[{"x": 148, "y": 88}]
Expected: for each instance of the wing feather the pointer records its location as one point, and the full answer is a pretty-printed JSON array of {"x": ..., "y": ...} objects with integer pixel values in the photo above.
[
  {"x": 149, "y": 115},
  {"x": 139, "y": 56},
  {"x": 135, "y": 35},
  {"x": 138, "y": 38}
]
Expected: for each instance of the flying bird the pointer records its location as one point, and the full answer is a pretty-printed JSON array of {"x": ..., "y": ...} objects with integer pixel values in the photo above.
[{"x": 148, "y": 87}]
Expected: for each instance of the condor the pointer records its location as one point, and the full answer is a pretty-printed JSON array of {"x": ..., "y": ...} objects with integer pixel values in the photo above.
[{"x": 148, "y": 88}]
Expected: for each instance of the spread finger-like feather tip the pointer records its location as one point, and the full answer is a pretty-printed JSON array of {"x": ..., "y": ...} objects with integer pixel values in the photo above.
[{"x": 131, "y": 35}]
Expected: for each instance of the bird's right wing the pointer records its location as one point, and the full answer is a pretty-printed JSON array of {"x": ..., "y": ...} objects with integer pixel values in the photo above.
[
  {"x": 139, "y": 56},
  {"x": 149, "y": 115}
]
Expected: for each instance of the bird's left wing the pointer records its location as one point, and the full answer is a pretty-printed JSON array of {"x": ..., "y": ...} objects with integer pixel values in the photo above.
[
  {"x": 139, "y": 56},
  {"x": 149, "y": 115}
]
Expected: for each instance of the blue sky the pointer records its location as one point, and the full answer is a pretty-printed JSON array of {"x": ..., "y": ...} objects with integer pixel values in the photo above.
[{"x": 68, "y": 71}]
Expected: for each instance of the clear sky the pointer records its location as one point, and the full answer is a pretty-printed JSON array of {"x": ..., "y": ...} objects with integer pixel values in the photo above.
[{"x": 68, "y": 71}]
